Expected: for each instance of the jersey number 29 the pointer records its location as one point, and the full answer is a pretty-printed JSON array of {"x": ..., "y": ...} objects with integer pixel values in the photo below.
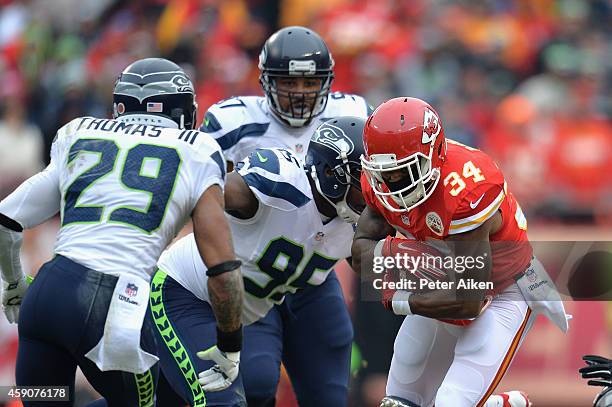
[{"x": 159, "y": 187}]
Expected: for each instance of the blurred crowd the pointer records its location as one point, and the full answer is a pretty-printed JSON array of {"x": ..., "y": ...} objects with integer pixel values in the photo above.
[{"x": 529, "y": 81}]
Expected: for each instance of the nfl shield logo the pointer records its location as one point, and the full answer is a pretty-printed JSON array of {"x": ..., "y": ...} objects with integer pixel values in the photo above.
[
  {"x": 405, "y": 219},
  {"x": 299, "y": 148},
  {"x": 319, "y": 236},
  {"x": 131, "y": 290},
  {"x": 531, "y": 275}
]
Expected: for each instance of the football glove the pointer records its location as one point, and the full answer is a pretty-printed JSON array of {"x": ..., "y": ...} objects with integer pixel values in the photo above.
[
  {"x": 12, "y": 294},
  {"x": 598, "y": 368},
  {"x": 223, "y": 373}
]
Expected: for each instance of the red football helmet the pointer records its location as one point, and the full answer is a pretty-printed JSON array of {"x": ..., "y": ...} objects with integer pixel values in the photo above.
[{"x": 404, "y": 150}]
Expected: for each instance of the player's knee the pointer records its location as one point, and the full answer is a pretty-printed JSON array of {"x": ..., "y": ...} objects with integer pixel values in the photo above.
[
  {"x": 343, "y": 334},
  {"x": 332, "y": 396},
  {"x": 410, "y": 351},
  {"x": 260, "y": 377},
  {"x": 391, "y": 401}
]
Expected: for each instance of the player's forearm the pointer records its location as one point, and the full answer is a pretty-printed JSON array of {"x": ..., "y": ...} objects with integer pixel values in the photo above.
[
  {"x": 458, "y": 303},
  {"x": 226, "y": 292},
  {"x": 437, "y": 304},
  {"x": 371, "y": 228},
  {"x": 214, "y": 240},
  {"x": 362, "y": 254},
  {"x": 10, "y": 246}
]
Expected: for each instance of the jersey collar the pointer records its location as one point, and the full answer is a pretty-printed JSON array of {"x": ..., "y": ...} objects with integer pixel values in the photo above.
[{"x": 149, "y": 120}]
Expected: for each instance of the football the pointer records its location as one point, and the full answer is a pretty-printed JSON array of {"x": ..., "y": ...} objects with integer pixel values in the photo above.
[{"x": 414, "y": 265}]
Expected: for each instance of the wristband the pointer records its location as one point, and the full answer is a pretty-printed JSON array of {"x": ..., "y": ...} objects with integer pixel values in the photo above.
[
  {"x": 400, "y": 303},
  {"x": 10, "y": 223},
  {"x": 224, "y": 267},
  {"x": 229, "y": 341},
  {"x": 379, "y": 248}
]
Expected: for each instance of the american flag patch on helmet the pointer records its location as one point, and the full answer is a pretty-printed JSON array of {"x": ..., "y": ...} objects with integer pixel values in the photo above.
[{"x": 155, "y": 107}]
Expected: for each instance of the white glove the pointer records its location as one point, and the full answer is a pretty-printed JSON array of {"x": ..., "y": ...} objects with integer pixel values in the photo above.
[
  {"x": 12, "y": 294},
  {"x": 223, "y": 373}
]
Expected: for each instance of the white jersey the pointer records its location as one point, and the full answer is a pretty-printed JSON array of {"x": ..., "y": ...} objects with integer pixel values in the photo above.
[
  {"x": 242, "y": 124},
  {"x": 284, "y": 247},
  {"x": 125, "y": 190}
]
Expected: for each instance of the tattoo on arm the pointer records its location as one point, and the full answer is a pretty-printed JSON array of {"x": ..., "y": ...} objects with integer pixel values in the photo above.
[
  {"x": 226, "y": 296},
  {"x": 214, "y": 240}
]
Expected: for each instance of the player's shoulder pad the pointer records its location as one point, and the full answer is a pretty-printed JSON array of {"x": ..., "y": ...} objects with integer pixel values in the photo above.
[
  {"x": 65, "y": 136},
  {"x": 346, "y": 104},
  {"x": 69, "y": 129},
  {"x": 476, "y": 207},
  {"x": 277, "y": 177},
  {"x": 205, "y": 148},
  {"x": 198, "y": 150},
  {"x": 230, "y": 120}
]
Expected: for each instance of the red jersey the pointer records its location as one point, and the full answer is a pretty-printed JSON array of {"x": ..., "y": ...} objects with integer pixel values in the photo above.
[{"x": 470, "y": 191}]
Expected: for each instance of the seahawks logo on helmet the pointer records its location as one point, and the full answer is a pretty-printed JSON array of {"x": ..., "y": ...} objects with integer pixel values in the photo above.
[
  {"x": 334, "y": 138},
  {"x": 182, "y": 83},
  {"x": 144, "y": 86}
]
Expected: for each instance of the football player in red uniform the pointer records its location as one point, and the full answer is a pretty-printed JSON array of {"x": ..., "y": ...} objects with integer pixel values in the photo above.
[{"x": 451, "y": 349}]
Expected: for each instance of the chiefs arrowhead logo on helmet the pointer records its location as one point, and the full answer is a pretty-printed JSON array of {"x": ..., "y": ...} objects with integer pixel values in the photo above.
[{"x": 431, "y": 127}]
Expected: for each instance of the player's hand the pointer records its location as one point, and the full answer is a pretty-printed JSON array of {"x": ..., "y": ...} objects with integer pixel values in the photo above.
[
  {"x": 427, "y": 257},
  {"x": 223, "y": 373},
  {"x": 12, "y": 294},
  {"x": 599, "y": 368}
]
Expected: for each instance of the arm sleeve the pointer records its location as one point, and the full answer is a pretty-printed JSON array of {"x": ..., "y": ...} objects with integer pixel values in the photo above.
[
  {"x": 10, "y": 246},
  {"x": 34, "y": 201}
]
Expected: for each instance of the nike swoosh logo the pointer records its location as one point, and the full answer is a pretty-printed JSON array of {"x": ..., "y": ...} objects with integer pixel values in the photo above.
[
  {"x": 404, "y": 247},
  {"x": 473, "y": 205},
  {"x": 261, "y": 157}
]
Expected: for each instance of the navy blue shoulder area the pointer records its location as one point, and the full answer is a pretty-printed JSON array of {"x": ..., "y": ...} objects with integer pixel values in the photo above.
[
  {"x": 210, "y": 123},
  {"x": 266, "y": 159},
  {"x": 276, "y": 178},
  {"x": 276, "y": 189},
  {"x": 231, "y": 138},
  {"x": 216, "y": 156}
]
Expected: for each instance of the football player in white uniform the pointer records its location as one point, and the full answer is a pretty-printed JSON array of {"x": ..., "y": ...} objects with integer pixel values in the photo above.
[
  {"x": 291, "y": 224},
  {"x": 123, "y": 188},
  {"x": 296, "y": 75}
]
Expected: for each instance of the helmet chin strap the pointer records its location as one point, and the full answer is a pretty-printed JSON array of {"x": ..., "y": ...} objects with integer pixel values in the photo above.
[{"x": 342, "y": 209}]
